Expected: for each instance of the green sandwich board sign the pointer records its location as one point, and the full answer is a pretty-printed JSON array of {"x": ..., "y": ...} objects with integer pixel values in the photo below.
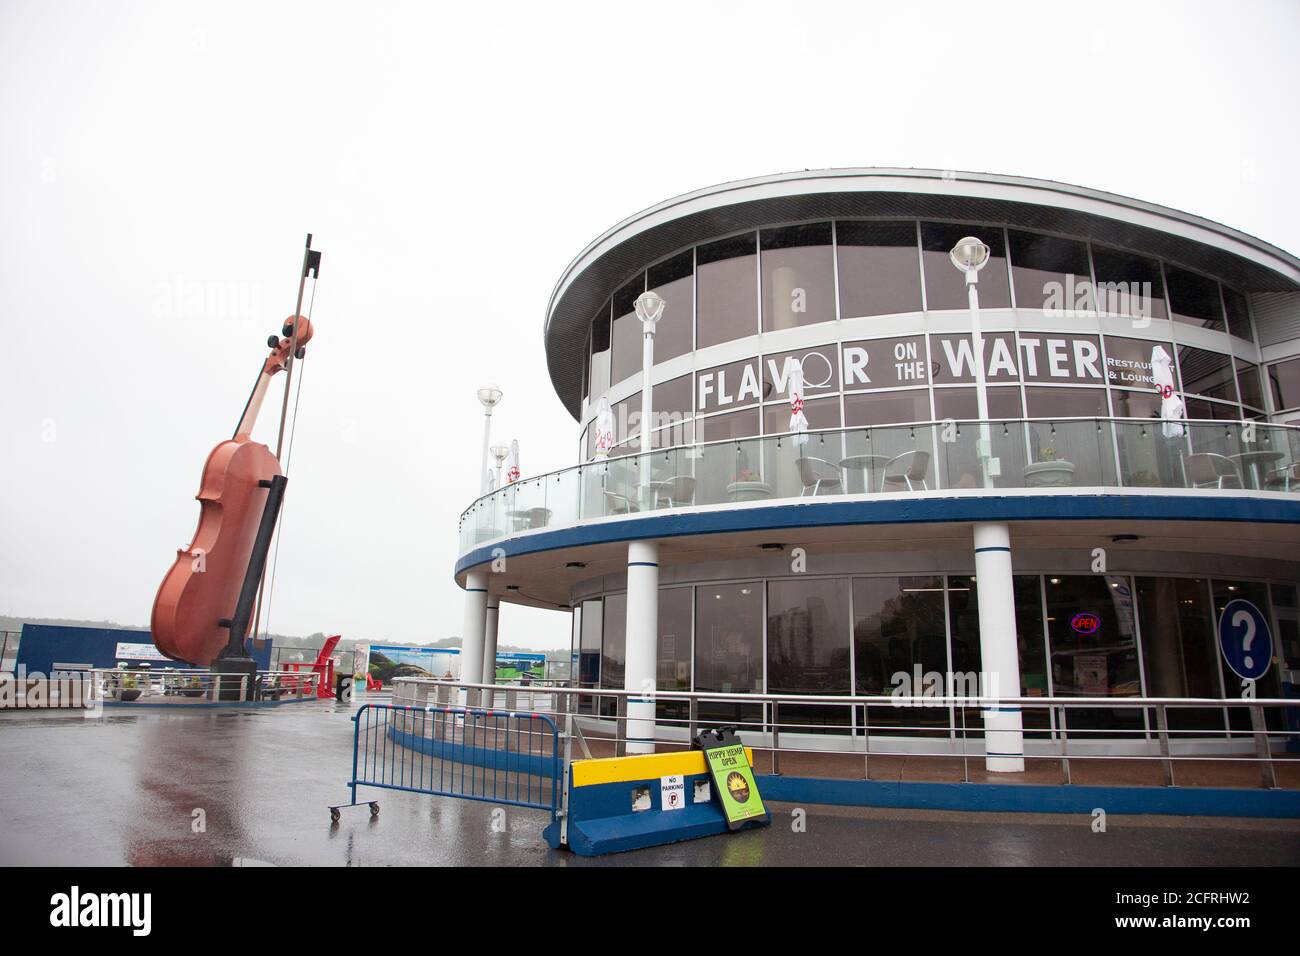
[{"x": 733, "y": 778}]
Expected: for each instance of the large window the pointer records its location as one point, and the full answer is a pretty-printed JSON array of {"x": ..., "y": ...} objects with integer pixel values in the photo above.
[
  {"x": 945, "y": 285},
  {"x": 798, "y": 276},
  {"x": 1238, "y": 312},
  {"x": 1178, "y": 647},
  {"x": 613, "y": 647},
  {"x": 887, "y": 408},
  {"x": 674, "y": 282},
  {"x": 1284, "y": 383},
  {"x": 626, "y": 359},
  {"x": 1094, "y": 647},
  {"x": 1130, "y": 285},
  {"x": 899, "y": 637},
  {"x": 598, "y": 377},
  {"x": 1207, "y": 373},
  {"x": 674, "y": 650},
  {"x": 729, "y": 646},
  {"x": 1045, "y": 268},
  {"x": 967, "y": 656},
  {"x": 880, "y": 271},
  {"x": 1194, "y": 299},
  {"x": 808, "y": 646},
  {"x": 727, "y": 290}
]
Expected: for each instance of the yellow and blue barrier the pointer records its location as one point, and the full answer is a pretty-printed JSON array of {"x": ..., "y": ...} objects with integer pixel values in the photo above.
[{"x": 603, "y": 795}]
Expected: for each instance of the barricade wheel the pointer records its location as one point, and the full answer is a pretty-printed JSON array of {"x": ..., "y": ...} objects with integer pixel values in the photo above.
[
  {"x": 334, "y": 815},
  {"x": 374, "y": 809}
]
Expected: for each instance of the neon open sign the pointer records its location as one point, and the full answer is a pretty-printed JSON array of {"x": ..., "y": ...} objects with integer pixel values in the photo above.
[{"x": 1085, "y": 622}]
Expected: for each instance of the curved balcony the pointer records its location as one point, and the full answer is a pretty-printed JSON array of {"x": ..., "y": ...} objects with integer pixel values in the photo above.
[{"x": 1062, "y": 456}]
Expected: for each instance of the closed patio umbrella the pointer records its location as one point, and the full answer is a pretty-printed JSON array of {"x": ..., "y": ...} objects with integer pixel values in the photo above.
[
  {"x": 798, "y": 422},
  {"x": 512, "y": 463},
  {"x": 1172, "y": 408},
  {"x": 604, "y": 439}
]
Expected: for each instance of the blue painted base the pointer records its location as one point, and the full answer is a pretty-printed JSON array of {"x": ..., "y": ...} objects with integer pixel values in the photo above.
[
  {"x": 601, "y": 819},
  {"x": 1032, "y": 798}
]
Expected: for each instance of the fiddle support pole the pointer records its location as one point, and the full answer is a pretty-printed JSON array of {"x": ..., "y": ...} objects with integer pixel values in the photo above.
[{"x": 234, "y": 659}]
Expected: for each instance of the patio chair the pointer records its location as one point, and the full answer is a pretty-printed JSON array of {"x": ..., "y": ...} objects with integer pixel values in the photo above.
[
  {"x": 816, "y": 474},
  {"x": 1207, "y": 469},
  {"x": 906, "y": 471},
  {"x": 676, "y": 491},
  {"x": 1286, "y": 478}
]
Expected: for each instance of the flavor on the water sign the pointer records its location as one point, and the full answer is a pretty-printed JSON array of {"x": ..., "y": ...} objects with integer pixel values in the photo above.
[{"x": 733, "y": 778}]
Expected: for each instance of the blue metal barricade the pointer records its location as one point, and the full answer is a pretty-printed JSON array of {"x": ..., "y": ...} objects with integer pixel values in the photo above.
[{"x": 497, "y": 756}]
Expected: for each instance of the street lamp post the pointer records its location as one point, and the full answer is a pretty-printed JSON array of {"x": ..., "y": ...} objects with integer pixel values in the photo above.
[
  {"x": 649, "y": 309},
  {"x": 490, "y": 396},
  {"x": 499, "y": 452},
  {"x": 1004, "y": 744},
  {"x": 970, "y": 255}
]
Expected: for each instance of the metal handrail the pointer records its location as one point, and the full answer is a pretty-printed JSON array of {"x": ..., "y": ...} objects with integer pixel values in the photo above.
[
  {"x": 771, "y": 728},
  {"x": 1264, "y": 430}
]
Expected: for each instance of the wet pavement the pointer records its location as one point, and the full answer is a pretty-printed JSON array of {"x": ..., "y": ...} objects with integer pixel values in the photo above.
[{"x": 248, "y": 787}]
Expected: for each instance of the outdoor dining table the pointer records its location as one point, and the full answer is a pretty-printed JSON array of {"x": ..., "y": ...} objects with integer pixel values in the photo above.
[
  {"x": 1254, "y": 464},
  {"x": 867, "y": 464}
]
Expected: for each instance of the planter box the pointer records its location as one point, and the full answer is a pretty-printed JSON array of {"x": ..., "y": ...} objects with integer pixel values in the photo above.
[
  {"x": 1049, "y": 474},
  {"x": 749, "y": 491}
]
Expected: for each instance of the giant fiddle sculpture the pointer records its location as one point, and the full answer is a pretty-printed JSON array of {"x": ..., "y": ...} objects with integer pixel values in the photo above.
[{"x": 202, "y": 610}]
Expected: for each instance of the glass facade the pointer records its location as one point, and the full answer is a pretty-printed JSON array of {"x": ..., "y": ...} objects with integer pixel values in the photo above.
[
  {"x": 823, "y": 273},
  {"x": 1078, "y": 635}
]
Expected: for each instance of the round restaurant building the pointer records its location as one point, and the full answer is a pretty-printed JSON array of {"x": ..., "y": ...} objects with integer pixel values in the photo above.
[{"x": 1062, "y": 461}]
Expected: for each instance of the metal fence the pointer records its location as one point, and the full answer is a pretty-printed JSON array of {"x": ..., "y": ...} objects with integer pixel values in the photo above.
[
  {"x": 846, "y": 736},
  {"x": 502, "y": 757}
]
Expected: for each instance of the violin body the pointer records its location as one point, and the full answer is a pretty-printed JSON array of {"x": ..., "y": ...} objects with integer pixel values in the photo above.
[
  {"x": 202, "y": 587},
  {"x": 197, "y": 598}
]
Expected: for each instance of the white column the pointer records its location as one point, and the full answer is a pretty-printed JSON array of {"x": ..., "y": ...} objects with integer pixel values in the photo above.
[
  {"x": 1003, "y": 735},
  {"x": 642, "y": 643},
  {"x": 490, "y": 647},
  {"x": 472, "y": 629}
]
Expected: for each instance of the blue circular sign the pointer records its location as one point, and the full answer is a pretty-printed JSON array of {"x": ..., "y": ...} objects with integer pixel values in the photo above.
[{"x": 1245, "y": 639}]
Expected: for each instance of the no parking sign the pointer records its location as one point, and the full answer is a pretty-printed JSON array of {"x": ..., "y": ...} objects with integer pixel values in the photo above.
[{"x": 1245, "y": 640}]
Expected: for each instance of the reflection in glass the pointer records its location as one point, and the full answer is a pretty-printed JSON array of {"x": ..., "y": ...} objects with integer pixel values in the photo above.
[
  {"x": 1038, "y": 262},
  {"x": 1136, "y": 286},
  {"x": 1238, "y": 313},
  {"x": 945, "y": 285},
  {"x": 880, "y": 271},
  {"x": 887, "y": 408},
  {"x": 674, "y": 282},
  {"x": 627, "y": 335},
  {"x": 1194, "y": 299},
  {"x": 1178, "y": 647},
  {"x": 1284, "y": 382},
  {"x": 798, "y": 276},
  {"x": 598, "y": 377},
  {"x": 674, "y": 651},
  {"x": 1094, "y": 647},
  {"x": 808, "y": 645},
  {"x": 727, "y": 292},
  {"x": 1252, "y": 389},
  {"x": 899, "y": 638},
  {"x": 1206, "y": 373},
  {"x": 967, "y": 658},
  {"x": 729, "y": 646}
]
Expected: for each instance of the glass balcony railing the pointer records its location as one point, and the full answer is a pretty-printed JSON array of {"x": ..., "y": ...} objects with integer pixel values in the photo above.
[{"x": 1079, "y": 453}]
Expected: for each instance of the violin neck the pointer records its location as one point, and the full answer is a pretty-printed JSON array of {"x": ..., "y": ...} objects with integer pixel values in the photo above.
[{"x": 244, "y": 429}]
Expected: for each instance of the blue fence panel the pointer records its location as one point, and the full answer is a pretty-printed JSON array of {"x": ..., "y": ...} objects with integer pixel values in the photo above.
[{"x": 496, "y": 756}]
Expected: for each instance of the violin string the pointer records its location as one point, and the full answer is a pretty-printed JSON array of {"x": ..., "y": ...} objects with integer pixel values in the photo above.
[{"x": 288, "y": 458}]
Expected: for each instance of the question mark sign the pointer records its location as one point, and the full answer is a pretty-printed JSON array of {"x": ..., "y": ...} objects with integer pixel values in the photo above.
[{"x": 1238, "y": 620}]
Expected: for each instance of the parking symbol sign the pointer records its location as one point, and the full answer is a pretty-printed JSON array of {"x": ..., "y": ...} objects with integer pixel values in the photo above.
[{"x": 672, "y": 792}]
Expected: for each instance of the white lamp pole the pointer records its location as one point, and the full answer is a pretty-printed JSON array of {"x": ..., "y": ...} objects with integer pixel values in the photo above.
[
  {"x": 970, "y": 256},
  {"x": 649, "y": 309},
  {"x": 490, "y": 396},
  {"x": 499, "y": 452}
]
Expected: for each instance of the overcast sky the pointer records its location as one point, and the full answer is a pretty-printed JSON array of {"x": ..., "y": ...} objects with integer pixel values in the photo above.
[{"x": 160, "y": 164}]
